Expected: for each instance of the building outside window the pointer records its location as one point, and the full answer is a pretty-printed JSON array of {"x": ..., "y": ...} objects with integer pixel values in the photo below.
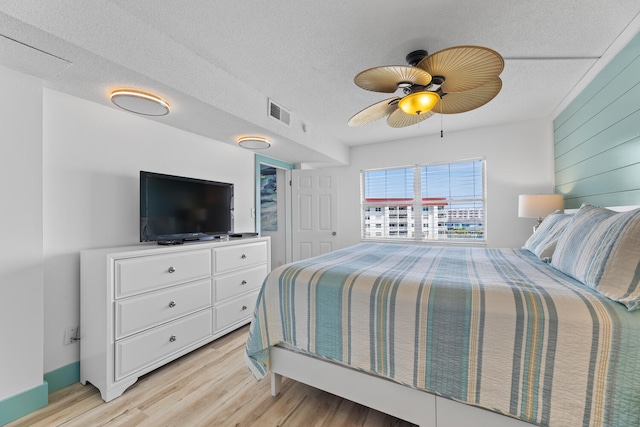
[{"x": 431, "y": 202}]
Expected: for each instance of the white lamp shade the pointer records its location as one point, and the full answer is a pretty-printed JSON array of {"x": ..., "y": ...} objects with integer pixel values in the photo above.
[{"x": 538, "y": 205}]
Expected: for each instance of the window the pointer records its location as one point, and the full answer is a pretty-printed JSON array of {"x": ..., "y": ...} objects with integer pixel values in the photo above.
[{"x": 438, "y": 202}]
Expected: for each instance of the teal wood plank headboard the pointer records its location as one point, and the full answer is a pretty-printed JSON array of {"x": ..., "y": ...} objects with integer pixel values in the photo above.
[{"x": 597, "y": 137}]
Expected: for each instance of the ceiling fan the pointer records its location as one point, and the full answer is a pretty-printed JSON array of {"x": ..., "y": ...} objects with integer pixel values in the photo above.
[{"x": 450, "y": 81}]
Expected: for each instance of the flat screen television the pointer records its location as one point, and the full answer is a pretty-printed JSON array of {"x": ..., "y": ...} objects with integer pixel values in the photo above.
[{"x": 177, "y": 209}]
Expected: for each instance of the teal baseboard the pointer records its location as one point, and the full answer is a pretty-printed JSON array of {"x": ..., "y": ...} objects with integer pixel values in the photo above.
[
  {"x": 24, "y": 403},
  {"x": 63, "y": 376}
]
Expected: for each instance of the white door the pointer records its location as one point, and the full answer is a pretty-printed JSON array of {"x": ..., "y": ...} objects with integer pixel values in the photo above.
[{"x": 314, "y": 212}]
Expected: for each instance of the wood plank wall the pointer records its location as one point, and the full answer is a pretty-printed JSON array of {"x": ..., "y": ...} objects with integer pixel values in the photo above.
[{"x": 597, "y": 137}]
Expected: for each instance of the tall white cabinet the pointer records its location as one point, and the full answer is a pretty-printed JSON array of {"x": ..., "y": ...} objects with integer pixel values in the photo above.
[{"x": 143, "y": 306}]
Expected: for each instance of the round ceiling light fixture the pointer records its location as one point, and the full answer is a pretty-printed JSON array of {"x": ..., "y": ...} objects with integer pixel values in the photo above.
[
  {"x": 140, "y": 102},
  {"x": 254, "y": 142},
  {"x": 419, "y": 102}
]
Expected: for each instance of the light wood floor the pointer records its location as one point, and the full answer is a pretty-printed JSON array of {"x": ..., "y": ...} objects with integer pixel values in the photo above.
[{"x": 208, "y": 387}]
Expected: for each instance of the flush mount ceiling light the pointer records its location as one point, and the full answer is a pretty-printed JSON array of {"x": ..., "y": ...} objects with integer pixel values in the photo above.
[
  {"x": 140, "y": 102},
  {"x": 254, "y": 142}
]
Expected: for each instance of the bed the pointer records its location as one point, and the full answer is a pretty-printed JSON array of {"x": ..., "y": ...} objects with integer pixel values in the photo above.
[{"x": 428, "y": 334}]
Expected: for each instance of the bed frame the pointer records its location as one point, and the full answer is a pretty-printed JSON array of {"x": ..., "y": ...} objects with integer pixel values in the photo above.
[
  {"x": 416, "y": 406},
  {"x": 406, "y": 403}
]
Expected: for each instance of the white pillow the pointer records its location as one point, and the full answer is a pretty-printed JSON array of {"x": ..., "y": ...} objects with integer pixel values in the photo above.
[
  {"x": 543, "y": 241},
  {"x": 601, "y": 248}
]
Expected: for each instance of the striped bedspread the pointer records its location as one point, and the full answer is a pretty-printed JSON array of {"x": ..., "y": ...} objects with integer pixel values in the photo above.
[{"x": 495, "y": 328}]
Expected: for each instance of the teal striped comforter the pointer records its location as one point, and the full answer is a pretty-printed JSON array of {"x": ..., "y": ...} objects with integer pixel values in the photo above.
[{"x": 495, "y": 328}]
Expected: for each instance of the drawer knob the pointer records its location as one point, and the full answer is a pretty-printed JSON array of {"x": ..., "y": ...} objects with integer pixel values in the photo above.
[
  {"x": 243, "y": 256},
  {"x": 244, "y": 282},
  {"x": 244, "y": 307},
  {"x": 172, "y": 270},
  {"x": 172, "y": 304},
  {"x": 172, "y": 338}
]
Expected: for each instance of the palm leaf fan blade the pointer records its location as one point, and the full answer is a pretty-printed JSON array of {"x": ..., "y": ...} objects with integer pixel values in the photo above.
[
  {"x": 460, "y": 102},
  {"x": 464, "y": 67},
  {"x": 374, "y": 112},
  {"x": 400, "y": 119},
  {"x": 386, "y": 79}
]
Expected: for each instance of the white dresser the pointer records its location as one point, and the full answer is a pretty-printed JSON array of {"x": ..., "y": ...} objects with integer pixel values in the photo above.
[{"x": 143, "y": 306}]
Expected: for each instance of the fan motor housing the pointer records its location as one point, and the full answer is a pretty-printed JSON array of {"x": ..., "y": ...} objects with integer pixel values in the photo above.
[{"x": 416, "y": 56}]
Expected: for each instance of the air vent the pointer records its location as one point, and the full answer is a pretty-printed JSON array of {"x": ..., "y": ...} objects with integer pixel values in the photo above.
[{"x": 279, "y": 113}]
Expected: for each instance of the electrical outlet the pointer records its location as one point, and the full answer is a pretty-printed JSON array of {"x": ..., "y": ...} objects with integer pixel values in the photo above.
[{"x": 70, "y": 335}]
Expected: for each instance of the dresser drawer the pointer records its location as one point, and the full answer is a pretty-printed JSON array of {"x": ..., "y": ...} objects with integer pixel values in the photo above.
[
  {"x": 144, "y": 311},
  {"x": 230, "y": 258},
  {"x": 137, "y": 275},
  {"x": 232, "y": 284},
  {"x": 235, "y": 310},
  {"x": 139, "y": 351}
]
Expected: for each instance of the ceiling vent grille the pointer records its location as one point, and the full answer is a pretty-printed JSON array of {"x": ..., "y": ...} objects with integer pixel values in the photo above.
[{"x": 279, "y": 113}]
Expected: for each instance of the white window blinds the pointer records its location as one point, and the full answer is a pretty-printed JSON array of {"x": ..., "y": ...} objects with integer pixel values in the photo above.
[{"x": 443, "y": 202}]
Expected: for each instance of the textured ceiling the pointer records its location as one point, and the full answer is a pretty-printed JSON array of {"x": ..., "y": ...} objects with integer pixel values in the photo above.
[{"x": 219, "y": 62}]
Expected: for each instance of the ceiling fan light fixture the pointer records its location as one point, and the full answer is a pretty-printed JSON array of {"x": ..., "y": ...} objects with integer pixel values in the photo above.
[
  {"x": 254, "y": 142},
  {"x": 419, "y": 102},
  {"x": 140, "y": 102},
  {"x": 467, "y": 75}
]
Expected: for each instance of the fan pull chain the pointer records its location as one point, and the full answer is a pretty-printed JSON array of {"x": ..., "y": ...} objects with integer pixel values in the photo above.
[{"x": 441, "y": 131}]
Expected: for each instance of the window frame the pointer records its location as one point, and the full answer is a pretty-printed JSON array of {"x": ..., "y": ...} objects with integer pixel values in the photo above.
[{"x": 417, "y": 206}]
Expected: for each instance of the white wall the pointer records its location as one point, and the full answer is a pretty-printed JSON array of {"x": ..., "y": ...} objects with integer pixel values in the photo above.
[
  {"x": 92, "y": 158},
  {"x": 519, "y": 160},
  {"x": 21, "y": 281}
]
